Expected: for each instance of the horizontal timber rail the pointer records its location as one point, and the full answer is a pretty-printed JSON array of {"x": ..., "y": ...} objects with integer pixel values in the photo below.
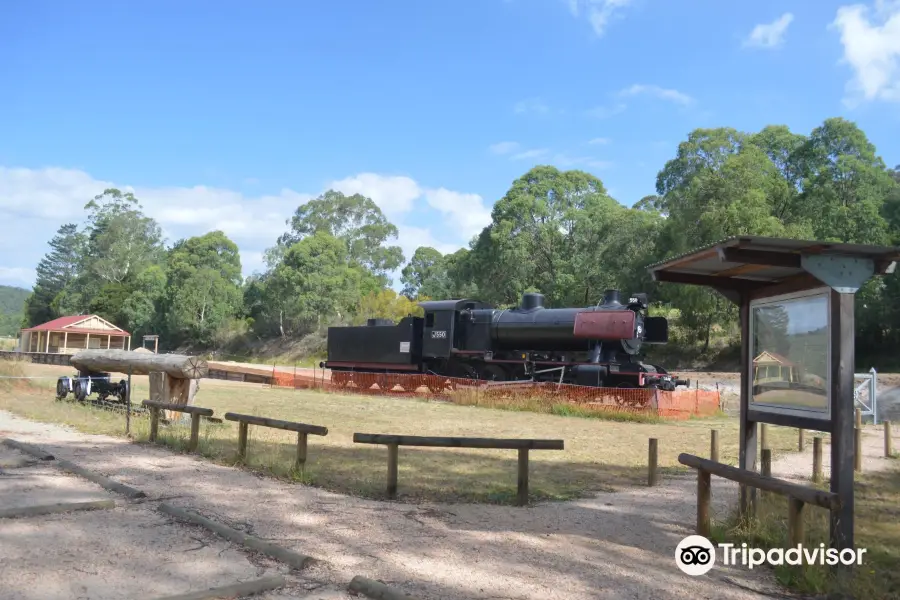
[
  {"x": 798, "y": 495},
  {"x": 195, "y": 411},
  {"x": 393, "y": 442},
  {"x": 303, "y": 431}
]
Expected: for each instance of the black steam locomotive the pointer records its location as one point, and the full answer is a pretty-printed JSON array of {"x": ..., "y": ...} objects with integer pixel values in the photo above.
[{"x": 594, "y": 346}]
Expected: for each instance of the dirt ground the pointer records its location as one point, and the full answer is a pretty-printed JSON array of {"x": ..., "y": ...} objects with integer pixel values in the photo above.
[
  {"x": 613, "y": 545},
  {"x": 130, "y": 551}
]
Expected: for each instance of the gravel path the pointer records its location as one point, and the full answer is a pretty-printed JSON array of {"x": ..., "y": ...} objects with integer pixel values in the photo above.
[
  {"x": 130, "y": 551},
  {"x": 614, "y": 545}
]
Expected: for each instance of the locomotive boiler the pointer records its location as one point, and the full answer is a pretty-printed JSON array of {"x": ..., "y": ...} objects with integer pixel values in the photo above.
[{"x": 595, "y": 346}]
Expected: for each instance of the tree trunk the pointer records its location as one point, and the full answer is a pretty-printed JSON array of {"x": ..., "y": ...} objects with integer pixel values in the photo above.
[{"x": 119, "y": 361}]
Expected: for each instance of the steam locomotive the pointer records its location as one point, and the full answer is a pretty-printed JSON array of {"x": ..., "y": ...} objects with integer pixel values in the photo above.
[{"x": 595, "y": 346}]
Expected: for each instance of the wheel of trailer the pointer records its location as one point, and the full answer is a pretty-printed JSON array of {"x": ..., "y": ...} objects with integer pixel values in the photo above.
[
  {"x": 80, "y": 390},
  {"x": 62, "y": 388},
  {"x": 122, "y": 392}
]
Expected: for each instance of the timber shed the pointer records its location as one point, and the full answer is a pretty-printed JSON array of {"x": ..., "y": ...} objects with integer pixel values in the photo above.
[{"x": 67, "y": 335}]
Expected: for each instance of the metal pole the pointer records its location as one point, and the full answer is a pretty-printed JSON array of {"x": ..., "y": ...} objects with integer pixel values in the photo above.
[
  {"x": 874, "y": 386},
  {"x": 128, "y": 405}
]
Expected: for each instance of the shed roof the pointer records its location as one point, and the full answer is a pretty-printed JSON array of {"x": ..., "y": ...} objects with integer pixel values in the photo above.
[
  {"x": 70, "y": 324},
  {"x": 761, "y": 260}
]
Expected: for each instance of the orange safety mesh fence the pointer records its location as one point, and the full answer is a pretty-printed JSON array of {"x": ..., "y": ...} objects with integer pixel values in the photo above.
[{"x": 526, "y": 395}]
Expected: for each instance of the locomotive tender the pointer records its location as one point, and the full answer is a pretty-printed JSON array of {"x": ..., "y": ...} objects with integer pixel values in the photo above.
[{"x": 595, "y": 346}]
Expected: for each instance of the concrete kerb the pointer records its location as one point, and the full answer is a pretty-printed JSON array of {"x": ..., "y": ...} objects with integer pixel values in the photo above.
[
  {"x": 289, "y": 557},
  {"x": 101, "y": 480},
  {"x": 52, "y": 509},
  {"x": 28, "y": 449},
  {"x": 235, "y": 590},
  {"x": 376, "y": 590}
]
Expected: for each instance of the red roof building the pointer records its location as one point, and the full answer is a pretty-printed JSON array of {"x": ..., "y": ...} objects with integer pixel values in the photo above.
[{"x": 67, "y": 335}]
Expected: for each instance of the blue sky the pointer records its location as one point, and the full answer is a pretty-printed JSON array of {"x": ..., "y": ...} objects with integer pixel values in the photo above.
[{"x": 229, "y": 114}]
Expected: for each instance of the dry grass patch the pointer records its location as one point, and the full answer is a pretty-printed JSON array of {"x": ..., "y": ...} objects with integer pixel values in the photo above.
[
  {"x": 599, "y": 454},
  {"x": 877, "y": 529}
]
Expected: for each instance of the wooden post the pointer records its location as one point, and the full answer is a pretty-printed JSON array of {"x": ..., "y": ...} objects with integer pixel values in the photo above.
[
  {"x": 154, "y": 423},
  {"x": 393, "y": 458},
  {"x": 748, "y": 428},
  {"x": 842, "y": 363},
  {"x": 858, "y": 419},
  {"x": 801, "y": 443},
  {"x": 522, "y": 496},
  {"x": 242, "y": 439},
  {"x": 704, "y": 494},
  {"x": 714, "y": 445},
  {"x": 128, "y": 405},
  {"x": 195, "y": 433},
  {"x": 817, "y": 459},
  {"x": 857, "y": 450},
  {"x": 763, "y": 436},
  {"x": 301, "y": 450},
  {"x": 652, "y": 461},
  {"x": 767, "y": 462},
  {"x": 795, "y": 522},
  {"x": 888, "y": 443}
]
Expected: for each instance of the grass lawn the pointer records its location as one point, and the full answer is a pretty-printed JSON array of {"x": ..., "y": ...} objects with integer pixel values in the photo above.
[
  {"x": 599, "y": 454},
  {"x": 877, "y": 529}
]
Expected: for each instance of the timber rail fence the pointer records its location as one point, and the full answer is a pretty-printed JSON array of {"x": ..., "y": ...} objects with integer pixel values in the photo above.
[
  {"x": 798, "y": 495},
  {"x": 303, "y": 431},
  {"x": 393, "y": 442},
  {"x": 195, "y": 411}
]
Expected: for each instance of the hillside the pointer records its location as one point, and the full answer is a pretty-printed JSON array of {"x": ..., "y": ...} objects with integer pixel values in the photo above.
[{"x": 12, "y": 305}]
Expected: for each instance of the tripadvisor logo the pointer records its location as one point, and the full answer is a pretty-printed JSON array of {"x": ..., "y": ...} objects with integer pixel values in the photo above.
[{"x": 696, "y": 555}]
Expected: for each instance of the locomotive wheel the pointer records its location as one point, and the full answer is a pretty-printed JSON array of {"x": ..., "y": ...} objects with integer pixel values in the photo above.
[
  {"x": 494, "y": 373},
  {"x": 80, "y": 390},
  {"x": 622, "y": 398},
  {"x": 62, "y": 388},
  {"x": 340, "y": 378}
]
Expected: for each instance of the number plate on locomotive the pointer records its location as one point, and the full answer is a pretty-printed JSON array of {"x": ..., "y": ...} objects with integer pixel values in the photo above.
[{"x": 438, "y": 335}]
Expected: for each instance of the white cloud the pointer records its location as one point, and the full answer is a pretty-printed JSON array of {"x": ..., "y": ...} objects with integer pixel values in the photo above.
[
  {"x": 467, "y": 213},
  {"x": 872, "y": 49},
  {"x": 392, "y": 194},
  {"x": 503, "y": 147},
  {"x": 35, "y": 202},
  {"x": 531, "y": 105},
  {"x": 598, "y": 12},
  {"x": 599, "y": 141},
  {"x": 658, "y": 92},
  {"x": 528, "y": 154},
  {"x": 769, "y": 35}
]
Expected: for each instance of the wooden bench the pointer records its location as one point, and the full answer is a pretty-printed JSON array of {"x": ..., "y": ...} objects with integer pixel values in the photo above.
[
  {"x": 393, "y": 442},
  {"x": 195, "y": 411},
  {"x": 303, "y": 430},
  {"x": 798, "y": 495}
]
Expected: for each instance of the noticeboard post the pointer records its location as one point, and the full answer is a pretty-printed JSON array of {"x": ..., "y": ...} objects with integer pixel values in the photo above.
[{"x": 796, "y": 302}]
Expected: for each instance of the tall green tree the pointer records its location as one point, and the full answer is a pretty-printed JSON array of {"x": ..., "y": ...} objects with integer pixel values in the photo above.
[
  {"x": 204, "y": 286},
  {"x": 313, "y": 284},
  {"x": 357, "y": 221},
  {"x": 121, "y": 239},
  {"x": 56, "y": 272},
  {"x": 425, "y": 269}
]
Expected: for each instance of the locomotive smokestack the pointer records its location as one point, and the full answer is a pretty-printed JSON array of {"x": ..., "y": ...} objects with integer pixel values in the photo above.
[
  {"x": 611, "y": 297},
  {"x": 532, "y": 300}
]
